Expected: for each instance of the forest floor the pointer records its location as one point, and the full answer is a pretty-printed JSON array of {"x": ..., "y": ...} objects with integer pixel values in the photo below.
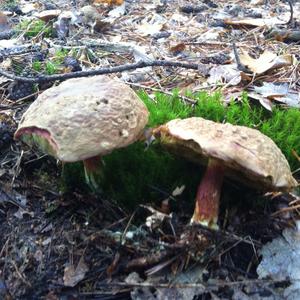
[{"x": 78, "y": 245}]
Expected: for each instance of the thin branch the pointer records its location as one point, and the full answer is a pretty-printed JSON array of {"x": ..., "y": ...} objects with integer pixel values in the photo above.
[
  {"x": 100, "y": 71},
  {"x": 220, "y": 283},
  {"x": 291, "y": 19},
  {"x": 285, "y": 209},
  {"x": 240, "y": 66}
]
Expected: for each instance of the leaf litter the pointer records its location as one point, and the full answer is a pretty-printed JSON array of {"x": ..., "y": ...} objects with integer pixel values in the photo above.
[{"x": 56, "y": 246}]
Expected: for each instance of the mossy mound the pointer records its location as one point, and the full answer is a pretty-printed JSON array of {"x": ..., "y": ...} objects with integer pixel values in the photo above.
[
  {"x": 137, "y": 175},
  {"x": 282, "y": 125}
]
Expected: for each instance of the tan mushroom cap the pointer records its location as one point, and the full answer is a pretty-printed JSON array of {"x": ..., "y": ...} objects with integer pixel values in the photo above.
[
  {"x": 86, "y": 117},
  {"x": 248, "y": 155}
]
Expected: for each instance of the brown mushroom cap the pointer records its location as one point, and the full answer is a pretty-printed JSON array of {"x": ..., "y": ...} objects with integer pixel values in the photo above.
[
  {"x": 247, "y": 155},
  {"x": 85, "y": 117}
]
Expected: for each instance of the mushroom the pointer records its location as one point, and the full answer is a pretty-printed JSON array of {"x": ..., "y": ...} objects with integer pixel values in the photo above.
[
  {"x": 83, "y": 119},
  {"x": 239, "y": 152}
]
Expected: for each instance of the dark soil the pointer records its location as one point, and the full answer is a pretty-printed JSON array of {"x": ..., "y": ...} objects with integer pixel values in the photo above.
[{"x": 44, "y": 232}]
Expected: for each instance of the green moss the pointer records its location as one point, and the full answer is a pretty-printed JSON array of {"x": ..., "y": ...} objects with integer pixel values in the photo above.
[
  {"x": 157, "y": 168},
  {"x": 32, "y": 28},
  {"x": 73, "y": 178},
  {"x": 60, "y": 55},
  {"x": 164, "y": 108},
  {"x": 53, "y": 66},
  {"x": 137, "y": 175},
  {"x": 282, "y": 125},
  {"x": 37, "y": 66}
]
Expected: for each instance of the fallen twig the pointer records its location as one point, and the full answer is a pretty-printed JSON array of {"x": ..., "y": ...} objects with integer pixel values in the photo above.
[
  {"x": 240, "y": 66},
  {"x": 193, "y": 285},
  {"x": 100, "y": 71},
  {"x": 291, "y": 19}
]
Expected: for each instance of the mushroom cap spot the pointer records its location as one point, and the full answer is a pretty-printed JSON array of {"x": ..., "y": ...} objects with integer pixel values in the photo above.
[
  {"x": 85, "y": 116},
  {"x": 248, "y": 155}
]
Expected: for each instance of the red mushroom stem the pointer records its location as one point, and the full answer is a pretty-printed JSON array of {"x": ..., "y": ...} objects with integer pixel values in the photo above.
[
  {"x": 92, "y": 171},
  {"x": 208, "y": 195}
]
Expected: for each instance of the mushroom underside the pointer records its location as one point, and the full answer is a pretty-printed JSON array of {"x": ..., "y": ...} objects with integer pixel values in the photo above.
[
  {"x": 218, "y": 166},
  {"x": 232, "y": 169},
  {"x": 38, "y": 137},
  {"x": 42, "y": 139}
]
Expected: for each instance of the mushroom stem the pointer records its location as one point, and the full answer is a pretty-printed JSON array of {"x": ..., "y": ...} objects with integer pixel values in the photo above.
[
  {"x": 92, "y": 171},
  {"x": 208, "y": 195}
]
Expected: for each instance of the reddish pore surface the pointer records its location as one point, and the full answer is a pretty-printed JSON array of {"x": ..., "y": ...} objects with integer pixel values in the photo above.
[
  {"x": 208, "y": 194},
  {"x": 43, "y": 133}
]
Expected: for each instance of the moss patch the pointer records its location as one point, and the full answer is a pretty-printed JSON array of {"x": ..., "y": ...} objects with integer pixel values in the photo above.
[
  {"x": 137, "y": 175},
  {"x": 73, "y": 178},
  {"x": 282, "y": 125},
  {"x": 32, "y": 28},
  {"x": 53, "y": 66}
]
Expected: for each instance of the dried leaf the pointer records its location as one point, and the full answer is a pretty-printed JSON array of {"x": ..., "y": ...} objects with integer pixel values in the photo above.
[
  {"x": 178, "y": 190},
  {"x": 147, "y": 29},
  {"x": 265, "y": 102},
  {"x": 257, "y": 2},
  {"x": 74, "y": 275},
  {"x": 227, "y": 73},
  {"x": 177, "y": 48},
  {"x": 267, "y": 61},
  {"x": 140, "y": 53},
  {"x": 212, "y": 34},
  {"x": 27, "y": 8},
  {"x": 254, "y": 22},
  {"x": 21, "y": 212},
  {"x": 157, "y": 217},
  {"x": 133, "y": 278},
  {"x": 281, "y": 261},
  {"x": 118, "y": 11},
  {"x": 279, "y": 92},
  {"x": 9, "y": 43}
]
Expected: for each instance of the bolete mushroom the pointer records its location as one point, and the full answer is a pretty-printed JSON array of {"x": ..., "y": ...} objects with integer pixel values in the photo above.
[
  {"x": 238, "y": 152},
  {"x": 83, "y": 119}
]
